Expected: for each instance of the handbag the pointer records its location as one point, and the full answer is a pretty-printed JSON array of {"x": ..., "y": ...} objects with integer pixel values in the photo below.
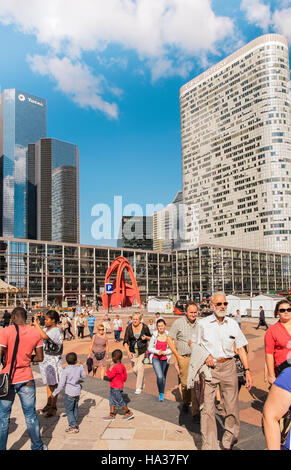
[
  {"x": 6, "y": 379},
  {"x": 99, "y": 356},
  {"x": 89, "y": 364},
  {"x": 147, "y": 358},
  {"x": 240, "y": 370},
  {"x": 282, "y": 366},
  {"x": 120, "y": 328},
  {"x": 285, "y": 427},
  {"x": 53, "y": 349},
  {"x": 199, "y": 388}
]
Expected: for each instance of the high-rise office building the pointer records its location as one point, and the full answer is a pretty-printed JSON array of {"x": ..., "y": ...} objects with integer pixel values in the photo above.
[
  {"x": 168, "y": 225},
  {"x": 22, "y": 121},
  {"x": 236, "y": 145},
  {"x": 136, "y": 232},
  {"x": 54, "y": 191}
]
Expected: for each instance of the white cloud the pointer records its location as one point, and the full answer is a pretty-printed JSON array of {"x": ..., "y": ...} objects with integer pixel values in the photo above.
[
  {"x": 76, "y": 80},
  {"x": 282, "y": 22},
  {"x": 145, "y": 26},
  {"x": 257, "y": 13},
  {"x": 166, "y": 34},
  {"x": 260, "y": 14},
  {"x": 167, "y": 68}
]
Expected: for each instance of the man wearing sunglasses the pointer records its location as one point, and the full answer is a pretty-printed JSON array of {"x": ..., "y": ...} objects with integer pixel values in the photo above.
[{"x": 218, "y": 334}]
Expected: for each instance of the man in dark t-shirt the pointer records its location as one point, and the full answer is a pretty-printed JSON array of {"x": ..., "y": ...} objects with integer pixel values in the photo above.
[{"x": 22, "y": 381}]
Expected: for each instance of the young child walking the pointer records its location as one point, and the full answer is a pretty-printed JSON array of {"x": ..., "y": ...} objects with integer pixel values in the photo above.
[
  {"x": 117, "y": 376},
  {"x": 70, "y": 379}
]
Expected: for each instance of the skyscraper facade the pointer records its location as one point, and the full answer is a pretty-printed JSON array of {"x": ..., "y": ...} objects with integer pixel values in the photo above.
[
  {"x": 54, "y": 191},
  {"x": 136, "y": 232},
  {"x": 236, "y": 146},
  {"x": 23, "y": 119},
  {"x": 168, "y": 225}
]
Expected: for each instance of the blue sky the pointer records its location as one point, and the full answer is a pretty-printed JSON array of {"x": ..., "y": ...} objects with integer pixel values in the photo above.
[{"x": 111, "y": 72}]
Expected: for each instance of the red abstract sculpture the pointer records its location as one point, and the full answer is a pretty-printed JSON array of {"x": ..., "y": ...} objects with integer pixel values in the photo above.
[{"x": 123, "y": 294}]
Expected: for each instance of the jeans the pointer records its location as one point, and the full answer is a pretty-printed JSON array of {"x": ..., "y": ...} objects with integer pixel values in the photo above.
[
  {"x": 161, "y": 370},
  {"x": 117, "y": 335},
  {"x": 91, "y": 329},
  {"x": 72, "y": 409},
  {"x": 26, "y": 393},
  {"x": 116, "y": 398}
]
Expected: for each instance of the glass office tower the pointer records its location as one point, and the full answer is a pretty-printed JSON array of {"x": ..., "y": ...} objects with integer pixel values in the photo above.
[
  {"x": 54, "y": 191},
  {"x": 136, "y": 232},
  {"x": 22, "y": 120}
]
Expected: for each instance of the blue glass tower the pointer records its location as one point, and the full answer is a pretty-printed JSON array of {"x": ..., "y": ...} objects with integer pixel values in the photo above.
[
  {"x": 23, "y": 120},
  {"x": 53, "y": 191}
]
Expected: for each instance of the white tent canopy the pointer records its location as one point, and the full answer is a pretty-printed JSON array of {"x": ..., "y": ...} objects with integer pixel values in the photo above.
[
  {"x": 160, "y": 304},
  {"x": 267, "y": 301},
  {"x": 238, "y": 302}
]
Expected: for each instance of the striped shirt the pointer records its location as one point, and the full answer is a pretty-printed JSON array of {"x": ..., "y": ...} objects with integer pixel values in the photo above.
[
  {"x": 91, "y": 320},
  {"x": 182, "y": 331}
]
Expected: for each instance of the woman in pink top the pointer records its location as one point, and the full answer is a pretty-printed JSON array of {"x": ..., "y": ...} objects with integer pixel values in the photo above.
[
  {"x": 99, "y": 351},
  {"x": 160, "y": 355},
  {"x": 278, "y": 341}
]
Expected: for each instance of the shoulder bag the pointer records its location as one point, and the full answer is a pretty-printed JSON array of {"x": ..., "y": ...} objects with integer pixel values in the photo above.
[
  {"x": 6, "y": 379},
  {"x": 52, "y": 349}
]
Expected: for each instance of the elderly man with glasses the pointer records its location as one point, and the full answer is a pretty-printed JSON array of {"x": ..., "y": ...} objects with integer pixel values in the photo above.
[{"x": 219, "y": 334}]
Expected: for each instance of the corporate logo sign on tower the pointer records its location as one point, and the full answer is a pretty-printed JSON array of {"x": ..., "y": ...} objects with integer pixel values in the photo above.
[{"x": 22, "y": 98}]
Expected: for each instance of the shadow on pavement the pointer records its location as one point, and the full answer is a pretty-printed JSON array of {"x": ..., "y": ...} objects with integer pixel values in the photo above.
[
  {"x": 84, "y": 408},
  {"x": 177, "y": 394},
  {"x": 47, "y": 426},
  {"x": 186, "y": 419},
  {"x": 12, "y": 425}
]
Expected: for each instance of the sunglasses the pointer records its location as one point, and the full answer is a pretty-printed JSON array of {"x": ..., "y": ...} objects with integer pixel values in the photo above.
[
  {"x": 283, "y": 310},
  {"x": 100, "y": 329},
  {"x": 221, "y": 303}
]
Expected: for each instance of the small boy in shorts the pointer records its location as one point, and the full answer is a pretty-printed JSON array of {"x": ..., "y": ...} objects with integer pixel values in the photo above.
[
  {"x": 117, "y": 376},
  {"x": 70, "y": 379}
]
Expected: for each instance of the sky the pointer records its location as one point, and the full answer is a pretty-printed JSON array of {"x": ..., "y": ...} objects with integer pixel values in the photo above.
[{"x": 111, "y": 71}]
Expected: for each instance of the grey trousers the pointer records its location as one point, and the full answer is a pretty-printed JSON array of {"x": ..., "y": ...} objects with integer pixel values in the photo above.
[{"x": 225, "y": 375}]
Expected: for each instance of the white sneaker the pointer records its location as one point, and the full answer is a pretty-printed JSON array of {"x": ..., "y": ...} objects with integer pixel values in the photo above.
[{"x": 138, "y": 391}]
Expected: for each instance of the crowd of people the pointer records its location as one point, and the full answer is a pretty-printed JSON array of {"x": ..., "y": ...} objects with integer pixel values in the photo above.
[{"x": 211, "y": 358}]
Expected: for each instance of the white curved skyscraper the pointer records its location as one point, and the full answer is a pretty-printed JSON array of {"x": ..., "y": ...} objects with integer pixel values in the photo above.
[{"x": 236, "y": 149}]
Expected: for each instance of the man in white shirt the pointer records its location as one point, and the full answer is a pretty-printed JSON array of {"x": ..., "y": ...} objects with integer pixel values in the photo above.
[
  {"x": 117, "y": 327},
  {"x": 219, "y": 334}
]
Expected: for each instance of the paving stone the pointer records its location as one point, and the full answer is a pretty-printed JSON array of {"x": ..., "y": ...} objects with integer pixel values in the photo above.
[
  {"x": 118, "y": 445},
  {"x": 118, "y": 422},
  {"x": 102, "y": 445},
  {"x": 149, "y": 434},
  {"x": 179, "y": 437},
  {"x": 118, "y": 433},
  {"x": 152, "y": 419},
  {"x": 160, "y": 445}
]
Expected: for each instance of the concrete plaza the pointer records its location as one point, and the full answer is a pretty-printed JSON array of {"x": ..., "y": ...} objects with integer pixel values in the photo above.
[{"x": 156, "y": 426}]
